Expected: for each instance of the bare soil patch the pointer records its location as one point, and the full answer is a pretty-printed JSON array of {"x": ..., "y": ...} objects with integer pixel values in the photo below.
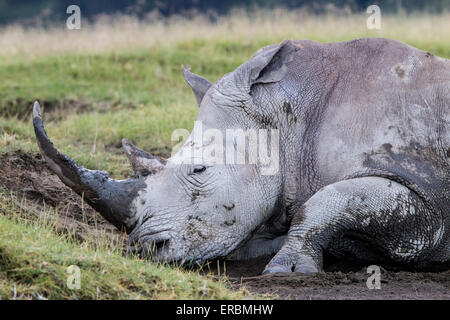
[
  {"x": 337, "y": 282},
  {"x": 28, "y": 176},
  {"x": 58, "y": 109},
  {"x": 36, "y": 188}
]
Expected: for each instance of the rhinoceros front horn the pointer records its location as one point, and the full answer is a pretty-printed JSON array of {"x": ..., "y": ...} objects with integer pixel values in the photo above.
[{"x": 111, "y": 198}]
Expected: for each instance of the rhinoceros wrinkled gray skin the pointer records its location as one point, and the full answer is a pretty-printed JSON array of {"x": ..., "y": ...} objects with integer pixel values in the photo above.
[{"x": 364, "y": 163}]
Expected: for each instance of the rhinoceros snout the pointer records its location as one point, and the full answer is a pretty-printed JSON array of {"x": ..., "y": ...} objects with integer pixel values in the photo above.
[{"x": 150, "y": 243}]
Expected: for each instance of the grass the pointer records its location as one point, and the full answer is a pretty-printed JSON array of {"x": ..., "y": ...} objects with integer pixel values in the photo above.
[
  {"x": 128, "y": 73},
  {"x": 35, "y": 256}
]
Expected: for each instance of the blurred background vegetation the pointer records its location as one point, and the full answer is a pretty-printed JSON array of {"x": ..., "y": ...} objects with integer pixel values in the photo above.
[{"x": 51, "y": 11}]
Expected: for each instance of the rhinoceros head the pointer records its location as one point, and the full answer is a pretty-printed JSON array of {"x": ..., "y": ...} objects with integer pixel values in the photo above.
[{"x": 205, "y": 200}]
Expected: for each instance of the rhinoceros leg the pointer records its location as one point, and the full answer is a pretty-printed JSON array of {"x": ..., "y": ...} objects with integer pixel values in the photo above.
[
  {"x": 260, "y": 245},
  {"x": 384, "y": 215}
]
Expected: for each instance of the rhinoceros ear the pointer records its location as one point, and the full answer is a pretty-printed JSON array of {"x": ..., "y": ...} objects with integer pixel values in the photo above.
[
  {"x": 197, "y": 83},
  {"x": 266, "y": 66},
  {"x": 142, "y": 162},
  {"x": 269, "y": 64}
]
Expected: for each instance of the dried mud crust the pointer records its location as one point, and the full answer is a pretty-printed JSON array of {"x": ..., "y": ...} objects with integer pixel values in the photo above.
[
  {"x": 35, "y": 188},
  {"x": 28, "y": 176}
]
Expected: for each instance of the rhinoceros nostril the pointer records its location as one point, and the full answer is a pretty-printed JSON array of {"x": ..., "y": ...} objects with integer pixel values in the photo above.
[{"x": 161, "y": 246}]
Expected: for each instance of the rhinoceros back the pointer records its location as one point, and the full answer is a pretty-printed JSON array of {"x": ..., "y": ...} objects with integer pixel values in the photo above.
[{"x": 372, "y": 107}]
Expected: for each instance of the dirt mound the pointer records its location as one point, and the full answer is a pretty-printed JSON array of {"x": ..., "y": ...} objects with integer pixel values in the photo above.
[
  {"x": 28, "y": 176},
  {"x": 59, "y": 108},
  {"x": 55, "y": 109}
]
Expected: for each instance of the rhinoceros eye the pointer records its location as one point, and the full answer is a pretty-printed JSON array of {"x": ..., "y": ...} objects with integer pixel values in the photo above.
[{"x": 199, "y": 169}]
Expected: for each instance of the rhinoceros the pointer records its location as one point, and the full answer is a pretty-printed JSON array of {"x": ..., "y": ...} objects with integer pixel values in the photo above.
[{"x": 363, "y": 171}]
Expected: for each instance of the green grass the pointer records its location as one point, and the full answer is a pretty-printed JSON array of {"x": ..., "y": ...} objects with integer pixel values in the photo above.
[
  {"x": 149, "y": 99},
  {"x": 34, "y": 257},
  {"x": 146, "y": 88},
  {"x": 134, "y": 90},
  {"x": 137, "y": 95}
]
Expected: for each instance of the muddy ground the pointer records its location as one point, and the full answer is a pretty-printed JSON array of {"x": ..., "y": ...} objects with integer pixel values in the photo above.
[{"x": 36, "y": 188}]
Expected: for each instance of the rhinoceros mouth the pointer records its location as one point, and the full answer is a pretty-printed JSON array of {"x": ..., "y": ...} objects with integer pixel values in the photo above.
[
  {"x": 156, "y": 249},
  {"x": 153, "y": 244}
]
